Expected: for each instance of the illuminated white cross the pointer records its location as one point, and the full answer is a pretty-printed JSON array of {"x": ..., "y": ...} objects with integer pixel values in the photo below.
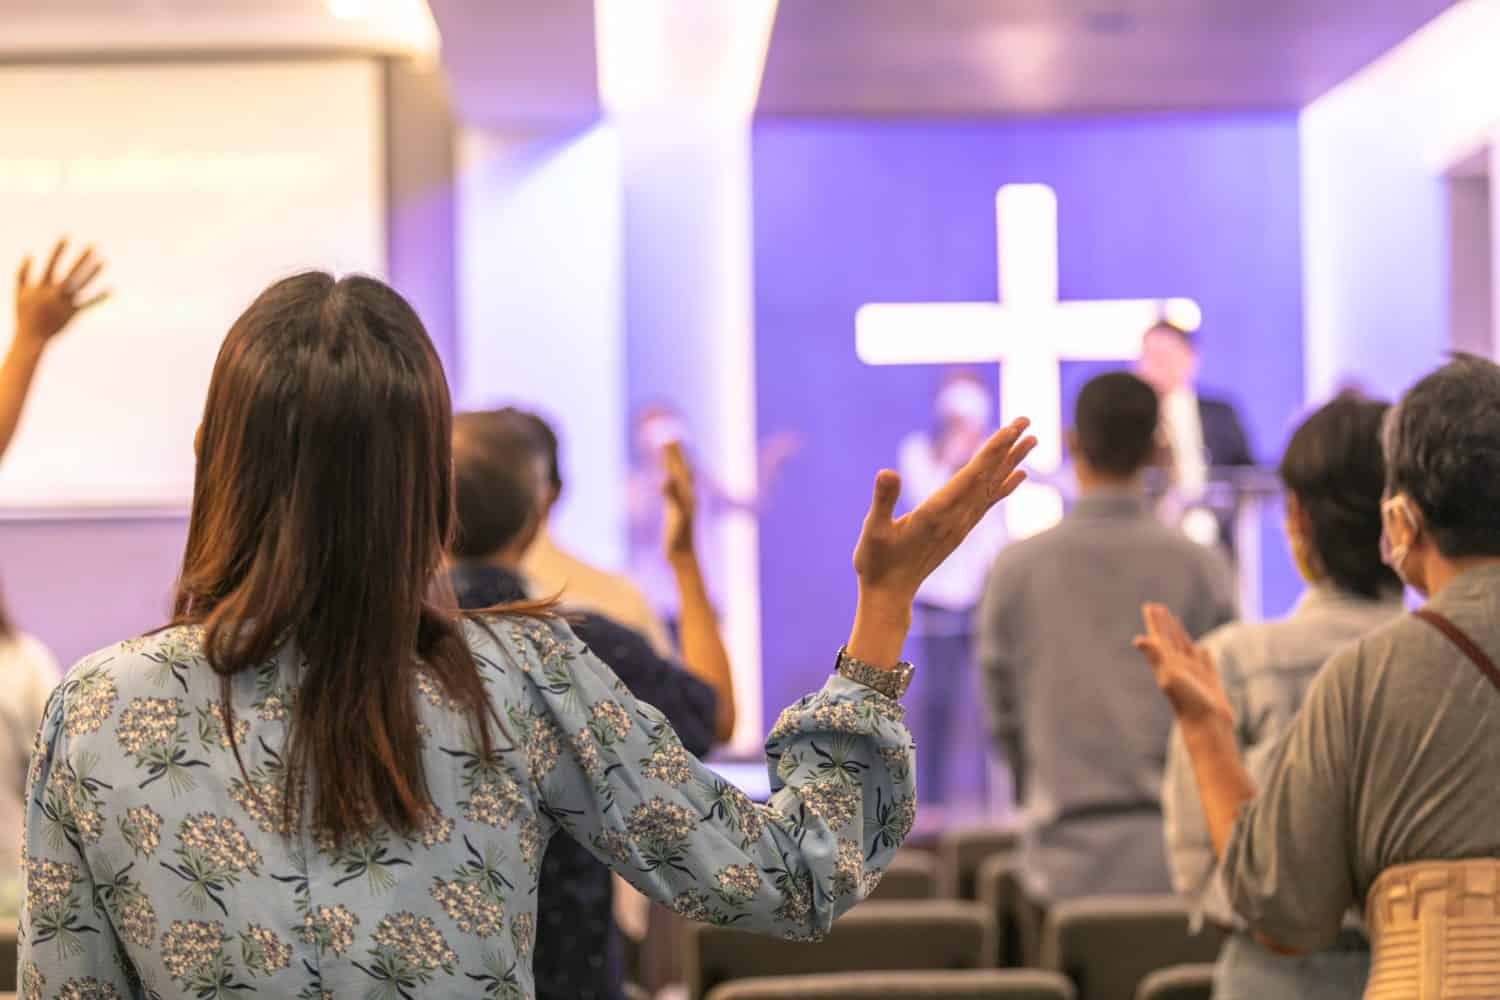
[{"x": 1030, "y": 335}]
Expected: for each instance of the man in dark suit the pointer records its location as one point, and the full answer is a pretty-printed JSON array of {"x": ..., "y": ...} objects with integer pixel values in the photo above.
[
  {"x": 1201, "y": 433},
  {"x": 1169, "y": 363}
]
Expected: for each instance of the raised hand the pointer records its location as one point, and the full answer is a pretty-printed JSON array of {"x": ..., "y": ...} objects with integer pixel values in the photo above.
[
  {"x": 682, "y": 502},
  {"x": 895, "y": 555},
  {"x": 1184, "y": 671},
  {"x": 45, "y": 307}
]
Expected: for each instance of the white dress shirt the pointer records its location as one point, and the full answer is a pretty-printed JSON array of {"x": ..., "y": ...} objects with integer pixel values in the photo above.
[{"x": 1184, "y": 427}]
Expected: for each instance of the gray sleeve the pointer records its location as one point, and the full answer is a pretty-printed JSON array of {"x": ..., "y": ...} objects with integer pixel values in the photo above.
[
  {"x": 998, "y": 665},
  {"x": 1289, "y": 863},
  {"x": 1190, "y": 852},
  {"x": 1222, "y": 590}
]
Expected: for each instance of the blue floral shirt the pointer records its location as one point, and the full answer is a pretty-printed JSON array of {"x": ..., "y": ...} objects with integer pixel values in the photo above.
[{"x": 152, "y": 868}]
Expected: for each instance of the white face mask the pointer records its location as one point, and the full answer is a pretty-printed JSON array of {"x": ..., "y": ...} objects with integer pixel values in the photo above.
[
  {"x": 1393, "y": 554},
  {"x": 965, "y": 401},
  {"x": 658, "y": 432}
]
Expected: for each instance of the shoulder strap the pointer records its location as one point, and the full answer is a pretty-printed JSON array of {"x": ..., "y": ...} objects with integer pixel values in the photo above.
[{"x": 1459, "y": 638}]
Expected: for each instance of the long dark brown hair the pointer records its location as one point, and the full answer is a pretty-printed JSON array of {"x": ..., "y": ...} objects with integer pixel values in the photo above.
[{"x": 322, "y": 506}]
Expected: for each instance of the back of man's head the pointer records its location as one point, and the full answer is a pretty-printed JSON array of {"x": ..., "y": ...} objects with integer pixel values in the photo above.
[
  {"x": 1114, "y": 424},
  {"x": 545, "y": 437},
  {"x": 499, "y": 474}
]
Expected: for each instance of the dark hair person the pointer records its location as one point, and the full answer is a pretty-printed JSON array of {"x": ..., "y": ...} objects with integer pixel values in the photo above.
[
  {"x": 1059, "y": 612},
  {"x": 1383, "y": 793},
  {"x": 318, "y": 780},
  {"x": 1114, "y": 424},
  {"x": 500, "y": 467},
  {"x": 1334, "y": 476}
]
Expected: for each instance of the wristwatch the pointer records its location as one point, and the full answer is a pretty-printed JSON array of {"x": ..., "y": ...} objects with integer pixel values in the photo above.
[{"x": 891, "y": 683}]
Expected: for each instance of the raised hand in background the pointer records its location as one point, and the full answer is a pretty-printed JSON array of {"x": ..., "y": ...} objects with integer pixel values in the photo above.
[
  {"x": 703, "y": 649},
  {"x": 44, "y": 308}
]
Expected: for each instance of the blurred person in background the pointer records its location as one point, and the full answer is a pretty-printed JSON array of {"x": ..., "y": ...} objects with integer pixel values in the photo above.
[
  {"x": 948, "y": 722},
  {"x": 552, "y": 570},
  {"x": 501, "y": 496},
  {"x": 656, "y": 427},
  {"x": 45, "y": 303},
  {"x": 1065, "y": 692},
  {"x": 1382, "y": 792},
  {"x": 1334, "y": 477}
]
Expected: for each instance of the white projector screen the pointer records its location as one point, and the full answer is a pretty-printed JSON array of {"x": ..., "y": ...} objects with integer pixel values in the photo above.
[{"x": 198, "y": 183}]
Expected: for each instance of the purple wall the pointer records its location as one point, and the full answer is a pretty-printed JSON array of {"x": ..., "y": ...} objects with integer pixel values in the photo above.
[
  {"x": 849, "y": 212},
  {"x": 82, "y": 583}
]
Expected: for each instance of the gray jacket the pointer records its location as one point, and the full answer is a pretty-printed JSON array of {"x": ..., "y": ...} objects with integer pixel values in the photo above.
[
  {"x": 1392, "y": 759},
  {"x": 1069, "y": 696}
]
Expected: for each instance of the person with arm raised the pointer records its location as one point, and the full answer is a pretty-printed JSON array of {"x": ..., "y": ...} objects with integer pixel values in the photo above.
[{"x": 322, "y": 778}]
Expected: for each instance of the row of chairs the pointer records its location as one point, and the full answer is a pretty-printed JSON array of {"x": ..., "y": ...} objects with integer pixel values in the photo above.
[
  {"x": 1106, "y": 948},
  {"x": 1187, "y": 982}
]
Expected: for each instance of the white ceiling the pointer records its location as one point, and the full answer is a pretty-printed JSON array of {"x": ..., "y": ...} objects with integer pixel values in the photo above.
[
  {"x": 533, "y": 60},
  {"x": 1072, "y": 56},
  {"x": 519, "y": 61}
]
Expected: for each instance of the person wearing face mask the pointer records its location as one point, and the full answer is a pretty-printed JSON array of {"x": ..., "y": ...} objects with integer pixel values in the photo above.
[
  {"x": 1384, "y": 790},
  {"x": 656, "y": 427},
  {"x": 1334, "y": 476},
  {"x": 947, "y": 720}
]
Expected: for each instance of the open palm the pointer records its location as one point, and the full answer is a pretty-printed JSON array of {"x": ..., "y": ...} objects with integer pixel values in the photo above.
[
  {"x": 46, "y": 306},
  {"x": 1184, "y": 671},
  {"x": 895, "y": 555}
]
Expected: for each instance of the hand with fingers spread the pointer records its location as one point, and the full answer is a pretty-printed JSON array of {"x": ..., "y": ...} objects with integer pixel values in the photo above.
[
  {"x": 894, "y": 555},
  {"x": 43, "y": 309},
  {"x": 46, "y": 306},
  {"x": 1184, "y": 671}
]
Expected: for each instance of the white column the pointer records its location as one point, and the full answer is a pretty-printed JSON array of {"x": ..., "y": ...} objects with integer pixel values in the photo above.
[
  {"x": 539, "y": 306},
  {"x": 679, "y": 79}
]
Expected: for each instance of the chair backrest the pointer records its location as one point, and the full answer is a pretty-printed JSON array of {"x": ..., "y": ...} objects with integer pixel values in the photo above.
[
  {"x": 10, "y": 953},
  {"x": 873, "y": 937},
  {"x": 1180, "y": 982},
  {"x": 1011, "y": 984},
  {"x": 1018, "y": 921},
  {"x": 1107, "y": 945},
  {"x": 910, "y": 875},
  {"x": 962, "y": 851}
]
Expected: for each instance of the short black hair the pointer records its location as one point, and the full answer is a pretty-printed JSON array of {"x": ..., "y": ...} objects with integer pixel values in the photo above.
[
  {"x": 1334, "y": 467},
  {"x": 497, "y": 475},
  {"x": 546, "y": 439},
  {"x": 1167, "y": 326},
  {"x": 1115, "y": 423},
  {"x": 1442, "y": 449}
]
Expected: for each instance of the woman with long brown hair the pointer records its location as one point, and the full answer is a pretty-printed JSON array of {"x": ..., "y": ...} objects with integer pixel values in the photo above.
[{"x": 319, "y": 780}]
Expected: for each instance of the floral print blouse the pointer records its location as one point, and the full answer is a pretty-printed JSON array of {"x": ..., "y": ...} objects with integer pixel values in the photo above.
[{"x": 152, "y": 868}]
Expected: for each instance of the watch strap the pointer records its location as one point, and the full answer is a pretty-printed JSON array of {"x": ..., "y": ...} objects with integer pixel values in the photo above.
[{"x": 891, "y": 683}]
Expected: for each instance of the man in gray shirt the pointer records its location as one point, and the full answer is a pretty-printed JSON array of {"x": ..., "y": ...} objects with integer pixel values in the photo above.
[{"x": 1084, "y": 726}]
